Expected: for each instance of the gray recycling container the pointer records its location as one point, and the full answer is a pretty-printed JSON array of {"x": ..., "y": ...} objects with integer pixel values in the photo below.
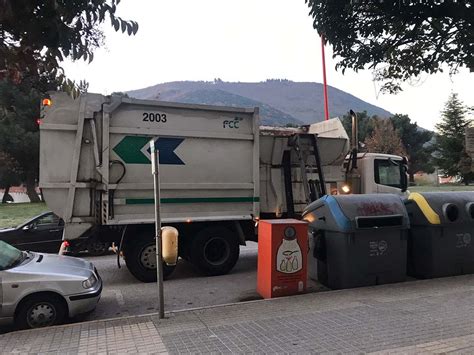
[
  {"x": 440, "y": 239},
  {"x": 359, "y": 240}
]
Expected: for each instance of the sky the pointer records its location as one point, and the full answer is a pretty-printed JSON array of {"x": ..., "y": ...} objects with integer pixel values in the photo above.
[{"x": 246, "y": 41}]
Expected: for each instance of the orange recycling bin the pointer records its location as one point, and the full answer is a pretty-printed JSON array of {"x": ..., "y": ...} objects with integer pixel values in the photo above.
[{"x": 282, "y": 257}]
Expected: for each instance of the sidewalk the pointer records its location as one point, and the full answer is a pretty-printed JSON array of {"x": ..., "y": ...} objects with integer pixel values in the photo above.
[{"x": 433, "y": 316}]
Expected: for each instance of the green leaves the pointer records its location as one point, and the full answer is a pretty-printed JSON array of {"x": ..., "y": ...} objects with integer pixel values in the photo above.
[
  {"x": 66, "y": 28},
  {"x": 416, "y": 142},
  {"x": 19, "y": 134},
  {"x": 450, "y": 137},
  {"x": 399, "y": 40}
]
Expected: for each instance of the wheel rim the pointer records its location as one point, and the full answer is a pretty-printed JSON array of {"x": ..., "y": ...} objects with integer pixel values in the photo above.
[
  {"x": 148, "y": 257},
  {"x": 41, "y": 315},
  {"x": 216, "y": 251}
]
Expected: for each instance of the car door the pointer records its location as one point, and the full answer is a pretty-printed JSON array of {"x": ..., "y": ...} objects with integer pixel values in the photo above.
[
  {"x": 43, "y": 234},
  {"x": 1, "y": 295}
]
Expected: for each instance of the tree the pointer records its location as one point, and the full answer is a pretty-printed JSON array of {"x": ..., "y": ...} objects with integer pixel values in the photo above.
[
  {"x": 19, "y": 138},
  {"x": 415, "y": 142},
  {"x": 398, "y": 40},
  {"x": 9, "y": 175},
  {"x": 450, "y": 139},
  {"x": 384, "y": 139},
  {"x": 36, "y": 35},
  {"x": 30, "y": 55}
]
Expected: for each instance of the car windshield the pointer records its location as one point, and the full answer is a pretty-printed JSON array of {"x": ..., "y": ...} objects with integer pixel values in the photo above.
[{"x": 9, "y": 256}]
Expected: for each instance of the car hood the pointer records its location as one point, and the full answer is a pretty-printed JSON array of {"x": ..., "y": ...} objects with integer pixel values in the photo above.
[{"x": 53, "y": 264}]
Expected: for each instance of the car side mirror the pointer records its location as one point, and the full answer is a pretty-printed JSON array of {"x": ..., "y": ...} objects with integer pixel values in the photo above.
[{"x": 30, "y": 227}]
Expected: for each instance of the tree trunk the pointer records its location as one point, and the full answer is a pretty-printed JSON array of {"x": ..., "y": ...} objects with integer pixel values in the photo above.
[
  {"x": 6, "y": 195},
  {"x": 411, "y": 177},
  {"x": 30, "y": 189},
  {"x": 465, "y": 179}
]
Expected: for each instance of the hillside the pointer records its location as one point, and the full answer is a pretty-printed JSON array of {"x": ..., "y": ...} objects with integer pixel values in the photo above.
[
  {"x": 280, "y": 101},
  {"x": 268, "y": 114}
]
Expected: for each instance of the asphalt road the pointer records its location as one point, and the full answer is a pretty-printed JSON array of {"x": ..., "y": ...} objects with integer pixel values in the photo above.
[{"x": 123, "y": 295}]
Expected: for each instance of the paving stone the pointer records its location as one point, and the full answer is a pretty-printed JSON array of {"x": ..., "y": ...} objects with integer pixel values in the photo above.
[{"x": 433, "y": 316}]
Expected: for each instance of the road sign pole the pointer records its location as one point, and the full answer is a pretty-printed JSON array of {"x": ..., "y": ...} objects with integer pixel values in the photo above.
[
  {"x": 155, "y": 169},
  {"x": 325, "y": 84}
]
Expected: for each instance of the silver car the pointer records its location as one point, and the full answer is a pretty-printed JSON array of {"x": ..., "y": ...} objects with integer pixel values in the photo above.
[{"x": 39, "y": 290}]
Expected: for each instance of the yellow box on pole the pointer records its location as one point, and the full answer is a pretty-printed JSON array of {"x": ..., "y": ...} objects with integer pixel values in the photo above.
[{"x": 169, "y": 244}]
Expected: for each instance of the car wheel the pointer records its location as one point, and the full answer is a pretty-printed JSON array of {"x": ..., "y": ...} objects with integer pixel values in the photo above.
[
  {"x": 215, "y": 250},
  {"x": 97, "y": 248},
  {"x": 40, "y": 311},
  {"x": 141, "y": 261}
]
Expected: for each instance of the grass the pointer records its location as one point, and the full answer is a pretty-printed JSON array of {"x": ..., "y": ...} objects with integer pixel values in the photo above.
[
  {"x": 440, "y": 188},
  {"x": 13, "y": 214}
]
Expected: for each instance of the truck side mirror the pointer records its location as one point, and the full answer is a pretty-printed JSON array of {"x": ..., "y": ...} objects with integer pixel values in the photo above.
[{"x": 404, "y": 178}]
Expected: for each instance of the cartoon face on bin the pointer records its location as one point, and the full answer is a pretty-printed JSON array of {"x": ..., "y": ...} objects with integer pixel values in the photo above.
[{"x": 289, "y": 258}]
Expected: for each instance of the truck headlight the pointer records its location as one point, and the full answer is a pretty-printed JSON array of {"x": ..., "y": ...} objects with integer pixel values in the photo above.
[
  {"x": 90, "y": 282},
  {"x": 346, "y": 188}
]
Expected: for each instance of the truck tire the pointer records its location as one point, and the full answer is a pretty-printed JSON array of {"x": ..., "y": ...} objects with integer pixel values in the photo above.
[
  {"x": 140, "y": 259},
  {"x": 215, "y": 250}
]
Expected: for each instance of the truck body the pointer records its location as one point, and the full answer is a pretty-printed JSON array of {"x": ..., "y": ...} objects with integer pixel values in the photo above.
[{"x": 219, "y": 174}]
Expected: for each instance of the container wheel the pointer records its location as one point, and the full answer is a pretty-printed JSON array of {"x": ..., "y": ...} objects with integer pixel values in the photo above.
[
  {"x": 215, "y": 250},
  {"x": 140, "y": 259},
  {"x": 39, "y": 311}
]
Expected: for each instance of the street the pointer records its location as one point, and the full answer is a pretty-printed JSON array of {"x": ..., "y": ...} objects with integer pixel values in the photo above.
[{"x": 123, "y": 295}]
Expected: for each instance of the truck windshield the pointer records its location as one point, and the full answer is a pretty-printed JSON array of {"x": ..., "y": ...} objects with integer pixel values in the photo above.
[
  {"x": 9, "y": 256},
  {"x": 388, "y": 172}
]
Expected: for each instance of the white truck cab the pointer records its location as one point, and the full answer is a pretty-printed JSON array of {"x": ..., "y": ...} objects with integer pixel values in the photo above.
[{"x": 382, "y": 173}]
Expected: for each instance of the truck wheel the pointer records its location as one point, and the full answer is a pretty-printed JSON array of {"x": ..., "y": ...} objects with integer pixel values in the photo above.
[
  {"x": 141, "y": 261},
  {"x": 215, "y": 250},
  {"x": 40, "y": 310}
]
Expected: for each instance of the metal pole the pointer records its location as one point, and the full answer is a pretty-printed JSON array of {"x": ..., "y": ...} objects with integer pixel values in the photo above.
[
  {"x": 325, "y": 87},
  {"x": 155, "y": 169}
]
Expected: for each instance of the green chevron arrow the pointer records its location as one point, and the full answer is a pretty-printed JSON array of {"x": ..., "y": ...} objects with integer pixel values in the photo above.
[{"x": 129, "y": 150}]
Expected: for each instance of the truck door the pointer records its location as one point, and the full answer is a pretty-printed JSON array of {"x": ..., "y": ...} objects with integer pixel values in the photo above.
[{"x": 389, "y": 175}]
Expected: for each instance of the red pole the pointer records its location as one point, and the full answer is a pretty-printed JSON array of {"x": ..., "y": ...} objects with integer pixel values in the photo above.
[{"x": 325, "y": 84}]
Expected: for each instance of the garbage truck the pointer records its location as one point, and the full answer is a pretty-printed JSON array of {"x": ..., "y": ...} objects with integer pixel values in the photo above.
[{"x": 220, "y": 173}]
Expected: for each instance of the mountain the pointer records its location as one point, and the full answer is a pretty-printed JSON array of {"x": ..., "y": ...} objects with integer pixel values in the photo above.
[
  {"x": 280, "y": 101},
  {"x": 268, "y": 114}
]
